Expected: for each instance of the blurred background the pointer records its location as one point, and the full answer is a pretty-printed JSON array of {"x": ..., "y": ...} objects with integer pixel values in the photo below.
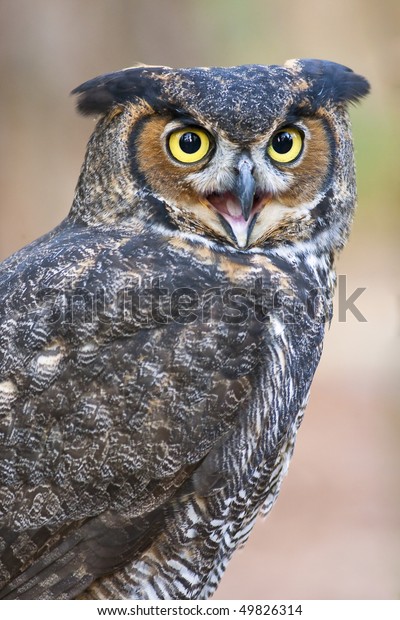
[{"x": 334, "y": 532}]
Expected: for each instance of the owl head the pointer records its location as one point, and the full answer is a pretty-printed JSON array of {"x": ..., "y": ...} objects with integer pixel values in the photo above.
[{"x": 241, "y": 157}]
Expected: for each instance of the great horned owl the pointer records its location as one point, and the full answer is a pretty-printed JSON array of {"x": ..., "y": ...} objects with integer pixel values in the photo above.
[{"x": 158, "y": 346}]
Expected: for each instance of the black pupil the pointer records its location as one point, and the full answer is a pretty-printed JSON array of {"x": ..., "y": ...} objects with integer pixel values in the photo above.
[
  {"x": 190, "y": 142},
  {"x": 282, "y": 142}
]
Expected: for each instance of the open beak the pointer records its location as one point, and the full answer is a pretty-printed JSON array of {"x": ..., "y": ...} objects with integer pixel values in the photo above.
[
  {"x": 245, "y": 186},
  {"x": 238, "y": 207}
]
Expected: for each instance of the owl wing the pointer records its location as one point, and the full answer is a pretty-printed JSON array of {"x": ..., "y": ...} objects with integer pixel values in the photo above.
[{"x": 111, "y": 397}]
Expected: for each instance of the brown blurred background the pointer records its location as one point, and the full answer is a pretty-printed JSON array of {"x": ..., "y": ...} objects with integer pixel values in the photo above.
[{"x": 334, "y": 532}]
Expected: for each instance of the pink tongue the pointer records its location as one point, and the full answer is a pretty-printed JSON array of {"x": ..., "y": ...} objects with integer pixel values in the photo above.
[{"x": 226, "y": 204}]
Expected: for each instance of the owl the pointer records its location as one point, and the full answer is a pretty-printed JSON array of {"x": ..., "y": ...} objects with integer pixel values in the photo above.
[{"x": 157, "y": 348}]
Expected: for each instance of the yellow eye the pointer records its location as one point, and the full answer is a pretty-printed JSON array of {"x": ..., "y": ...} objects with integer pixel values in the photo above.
[
  {"x": 189, "y": 145},
  {"x": 285, "y": 145}
]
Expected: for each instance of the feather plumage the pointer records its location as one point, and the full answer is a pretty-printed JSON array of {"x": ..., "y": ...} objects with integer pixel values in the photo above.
[{"x": 153, "y": 369}]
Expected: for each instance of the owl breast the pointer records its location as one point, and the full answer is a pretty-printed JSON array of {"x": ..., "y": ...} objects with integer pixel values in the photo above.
[
  {"x": 177, "y": 352},
  {"x": 196, "y": 350}
]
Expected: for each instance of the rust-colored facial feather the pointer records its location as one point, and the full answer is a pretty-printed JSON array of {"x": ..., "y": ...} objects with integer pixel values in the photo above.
[
  {"x": 167, "y": 179},
  {"x": 310, "y": 171},
  {"x": 283, "y": 190}
]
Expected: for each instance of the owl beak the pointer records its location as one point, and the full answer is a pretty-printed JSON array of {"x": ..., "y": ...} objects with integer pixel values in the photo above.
[{"x": 245, "y": 185}]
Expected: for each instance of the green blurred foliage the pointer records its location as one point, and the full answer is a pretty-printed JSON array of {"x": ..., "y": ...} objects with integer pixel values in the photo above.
[{"x": 376, "y": 139}]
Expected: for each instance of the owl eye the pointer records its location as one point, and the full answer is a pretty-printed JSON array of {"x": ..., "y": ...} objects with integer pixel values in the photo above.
[
  {"x": 189, "y": 145},
  {"x": 285, "y": 145}
]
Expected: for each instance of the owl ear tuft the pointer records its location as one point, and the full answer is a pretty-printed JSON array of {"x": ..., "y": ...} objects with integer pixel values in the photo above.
[
  {"x": 330, "y": 81},
  {"x": 99, "y": 95}
]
